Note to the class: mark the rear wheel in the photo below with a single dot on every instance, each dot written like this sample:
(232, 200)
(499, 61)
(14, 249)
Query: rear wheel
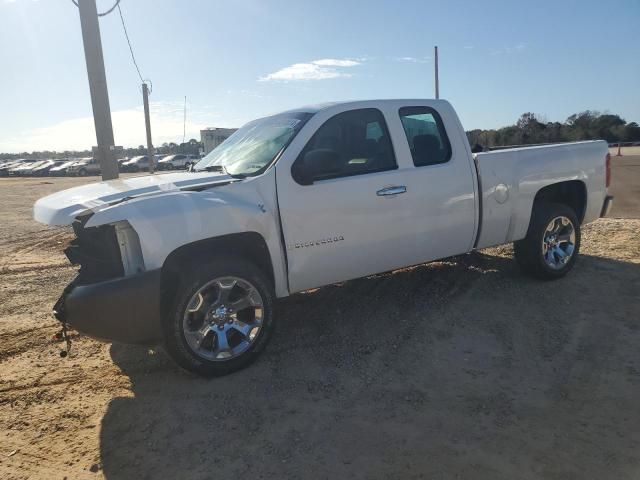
(221, 318)
(552, 243)
(83, 172)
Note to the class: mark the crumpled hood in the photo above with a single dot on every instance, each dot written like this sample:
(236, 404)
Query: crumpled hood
(61, 208)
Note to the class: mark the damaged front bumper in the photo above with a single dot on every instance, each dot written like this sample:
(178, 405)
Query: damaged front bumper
(125, 309)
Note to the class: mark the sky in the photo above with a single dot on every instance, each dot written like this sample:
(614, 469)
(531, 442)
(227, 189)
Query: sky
(237, 60)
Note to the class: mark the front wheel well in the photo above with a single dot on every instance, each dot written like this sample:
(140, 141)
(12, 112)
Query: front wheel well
(572, 193)
(249, 245)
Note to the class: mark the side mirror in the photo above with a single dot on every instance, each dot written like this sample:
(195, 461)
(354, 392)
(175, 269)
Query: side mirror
(315, 164)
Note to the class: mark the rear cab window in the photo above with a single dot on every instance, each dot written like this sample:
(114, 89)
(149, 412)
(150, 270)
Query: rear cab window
(426, 136)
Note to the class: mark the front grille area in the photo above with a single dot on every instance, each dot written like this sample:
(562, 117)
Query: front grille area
(96, 251)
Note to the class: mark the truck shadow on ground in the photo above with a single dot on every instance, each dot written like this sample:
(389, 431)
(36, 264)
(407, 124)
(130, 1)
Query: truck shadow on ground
(463, 367)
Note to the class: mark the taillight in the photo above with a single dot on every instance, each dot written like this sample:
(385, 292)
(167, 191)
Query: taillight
(608, 169)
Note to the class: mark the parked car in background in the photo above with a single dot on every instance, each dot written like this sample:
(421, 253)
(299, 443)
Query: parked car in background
(136, 164)
(178, 161)
(26, 167)
(43, 168)
(61, 169)
(57, 164)
(84, 167)
(9, 165)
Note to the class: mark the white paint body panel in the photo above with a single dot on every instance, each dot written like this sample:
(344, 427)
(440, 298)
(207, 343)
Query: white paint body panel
(62, 208)
(346, 230)
(524, 172)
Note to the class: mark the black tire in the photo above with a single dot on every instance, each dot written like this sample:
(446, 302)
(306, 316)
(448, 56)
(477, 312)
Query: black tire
(529, 252)
(191, 281)
(82, 172)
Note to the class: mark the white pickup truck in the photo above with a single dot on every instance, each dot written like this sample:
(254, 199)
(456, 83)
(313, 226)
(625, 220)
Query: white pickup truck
(307, 198)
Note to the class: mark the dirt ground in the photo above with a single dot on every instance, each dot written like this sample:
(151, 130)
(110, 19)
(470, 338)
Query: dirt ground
(625, 186)
(457, 369)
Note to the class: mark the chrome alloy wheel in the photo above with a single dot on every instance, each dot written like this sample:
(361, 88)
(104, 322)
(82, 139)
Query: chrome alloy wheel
(559, 242)
(223, 318)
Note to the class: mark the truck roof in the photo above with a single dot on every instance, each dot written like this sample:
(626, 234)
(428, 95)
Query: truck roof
(314, 108)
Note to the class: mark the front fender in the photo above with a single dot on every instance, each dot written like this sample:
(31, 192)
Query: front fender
(166, 222)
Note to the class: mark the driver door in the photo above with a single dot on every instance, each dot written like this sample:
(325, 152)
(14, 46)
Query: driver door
(352, 221)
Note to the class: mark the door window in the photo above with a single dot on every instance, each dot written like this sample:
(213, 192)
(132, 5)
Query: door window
(350, 143)
(426, 136)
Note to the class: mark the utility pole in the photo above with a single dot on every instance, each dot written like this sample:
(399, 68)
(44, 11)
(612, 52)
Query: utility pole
(98, 88)
(147, 122)
(436, 70)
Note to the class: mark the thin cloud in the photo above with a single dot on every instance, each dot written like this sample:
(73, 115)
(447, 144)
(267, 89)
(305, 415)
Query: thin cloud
(413, 59)
(468, 47)
(334, 62)
(509, 50)
(322, 69)
(128, 129)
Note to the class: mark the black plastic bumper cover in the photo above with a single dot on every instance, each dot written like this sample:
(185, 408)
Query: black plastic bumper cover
(124, 309)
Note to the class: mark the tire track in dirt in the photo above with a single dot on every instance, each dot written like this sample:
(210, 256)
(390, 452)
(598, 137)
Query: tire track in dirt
(37, 383)
(24, 268)
(51, 239)
(35, 462)
(15, 343)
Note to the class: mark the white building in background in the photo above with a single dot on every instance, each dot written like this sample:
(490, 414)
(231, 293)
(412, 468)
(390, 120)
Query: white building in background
(212, 137)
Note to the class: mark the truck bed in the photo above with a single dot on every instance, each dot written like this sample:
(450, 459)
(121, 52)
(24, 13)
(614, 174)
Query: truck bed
(510, 178)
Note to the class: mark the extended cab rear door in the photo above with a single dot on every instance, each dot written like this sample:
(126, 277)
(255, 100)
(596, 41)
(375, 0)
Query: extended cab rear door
(441, 177)
(371, 210)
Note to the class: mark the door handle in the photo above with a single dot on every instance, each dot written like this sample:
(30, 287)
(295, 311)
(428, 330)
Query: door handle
(397, 190)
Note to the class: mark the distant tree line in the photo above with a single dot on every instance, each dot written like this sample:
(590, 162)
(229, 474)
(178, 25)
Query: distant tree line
(587, 125)
(192, 147)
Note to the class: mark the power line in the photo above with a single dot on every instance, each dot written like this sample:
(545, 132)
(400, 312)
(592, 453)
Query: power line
(126, 34)
(104, 13)
(133, 57)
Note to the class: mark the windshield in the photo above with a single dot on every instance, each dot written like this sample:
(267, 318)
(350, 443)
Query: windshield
(253, 147)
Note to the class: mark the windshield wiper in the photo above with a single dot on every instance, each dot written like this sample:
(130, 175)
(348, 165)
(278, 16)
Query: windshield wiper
(220, 168)
(211, 168)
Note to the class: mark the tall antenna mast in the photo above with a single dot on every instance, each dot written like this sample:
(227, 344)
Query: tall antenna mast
(436, 71)
(184, 121)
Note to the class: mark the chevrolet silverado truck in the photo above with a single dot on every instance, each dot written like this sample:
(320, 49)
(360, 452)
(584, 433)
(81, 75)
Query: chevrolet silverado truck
(306, 198)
